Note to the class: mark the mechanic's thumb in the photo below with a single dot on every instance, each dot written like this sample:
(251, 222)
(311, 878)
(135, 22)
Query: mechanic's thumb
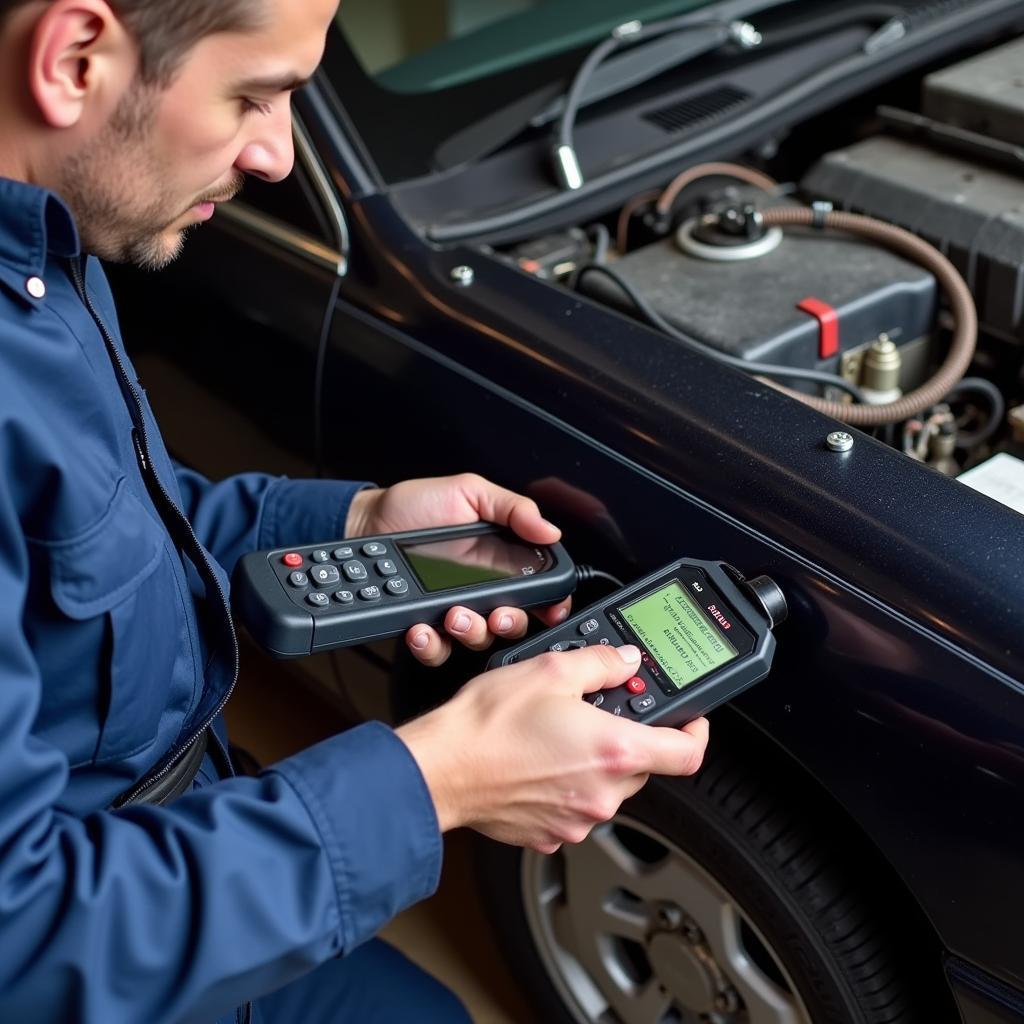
(605, 666)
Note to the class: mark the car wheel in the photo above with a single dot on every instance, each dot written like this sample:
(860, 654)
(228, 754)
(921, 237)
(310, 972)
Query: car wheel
(729, 899)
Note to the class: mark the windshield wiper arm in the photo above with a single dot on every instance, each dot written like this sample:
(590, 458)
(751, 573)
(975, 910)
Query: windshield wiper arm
(701, 35)
(640, 64)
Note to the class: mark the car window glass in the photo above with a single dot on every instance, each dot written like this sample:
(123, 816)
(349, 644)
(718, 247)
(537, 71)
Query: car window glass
(293, 201)
(416, 46)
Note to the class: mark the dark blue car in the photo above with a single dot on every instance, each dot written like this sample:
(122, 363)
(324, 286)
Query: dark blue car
(543, 241)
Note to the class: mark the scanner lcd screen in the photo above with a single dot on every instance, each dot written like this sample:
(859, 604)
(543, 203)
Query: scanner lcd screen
(466, 561)
(678, 634)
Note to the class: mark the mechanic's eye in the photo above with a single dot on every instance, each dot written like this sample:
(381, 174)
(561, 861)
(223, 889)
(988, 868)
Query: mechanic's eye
(255, 107)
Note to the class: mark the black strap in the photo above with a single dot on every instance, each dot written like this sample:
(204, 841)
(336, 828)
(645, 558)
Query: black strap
(178, 778)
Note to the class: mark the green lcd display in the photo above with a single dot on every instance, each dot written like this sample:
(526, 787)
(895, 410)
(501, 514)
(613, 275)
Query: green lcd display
(678, 634)
(479, 558)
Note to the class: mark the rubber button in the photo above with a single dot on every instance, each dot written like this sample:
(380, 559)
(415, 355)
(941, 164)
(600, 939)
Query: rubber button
(641, 705)
(293, 560)
(636, 685)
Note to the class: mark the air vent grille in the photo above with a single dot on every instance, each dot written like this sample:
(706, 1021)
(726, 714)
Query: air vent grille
(698, 109)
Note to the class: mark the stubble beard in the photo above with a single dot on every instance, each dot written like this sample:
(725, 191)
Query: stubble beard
(108, 185)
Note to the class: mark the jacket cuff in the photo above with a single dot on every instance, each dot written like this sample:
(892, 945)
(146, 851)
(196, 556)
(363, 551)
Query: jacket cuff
(301, 512)
(373, 811)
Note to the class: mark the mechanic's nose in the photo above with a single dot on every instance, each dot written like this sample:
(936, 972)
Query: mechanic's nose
(270, 155)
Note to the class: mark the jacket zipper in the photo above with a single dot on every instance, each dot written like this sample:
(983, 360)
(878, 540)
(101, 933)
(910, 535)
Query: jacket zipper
(140, 439)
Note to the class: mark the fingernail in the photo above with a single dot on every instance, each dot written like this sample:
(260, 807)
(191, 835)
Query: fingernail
(629, 654)
(460, 623)
(563, 614)
(504, 623)
(547, 522)
(420, 641)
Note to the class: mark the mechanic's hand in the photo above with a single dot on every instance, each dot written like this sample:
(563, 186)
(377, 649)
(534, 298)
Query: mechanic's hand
(456, 501)
(518, 756)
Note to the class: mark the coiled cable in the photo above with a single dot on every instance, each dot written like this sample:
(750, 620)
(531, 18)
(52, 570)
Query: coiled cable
(965, 318)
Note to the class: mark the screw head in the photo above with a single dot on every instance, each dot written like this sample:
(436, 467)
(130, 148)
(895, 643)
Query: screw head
(463, 275)
(839, 441)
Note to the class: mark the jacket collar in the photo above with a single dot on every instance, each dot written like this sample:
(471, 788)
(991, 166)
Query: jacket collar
(34, 224)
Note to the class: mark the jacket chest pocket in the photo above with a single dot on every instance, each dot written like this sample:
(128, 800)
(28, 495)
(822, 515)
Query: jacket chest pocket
(117, 587)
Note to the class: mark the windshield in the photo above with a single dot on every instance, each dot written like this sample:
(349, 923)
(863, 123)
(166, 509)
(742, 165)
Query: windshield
(418, 46)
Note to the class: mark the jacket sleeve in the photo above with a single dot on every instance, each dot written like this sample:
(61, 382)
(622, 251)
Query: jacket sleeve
(179, 913)
(252, 511)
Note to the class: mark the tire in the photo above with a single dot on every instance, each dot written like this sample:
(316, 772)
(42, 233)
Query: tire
(735, 897)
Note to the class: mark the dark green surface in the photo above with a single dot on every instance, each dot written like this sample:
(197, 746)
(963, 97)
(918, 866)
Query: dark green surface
(550, 28)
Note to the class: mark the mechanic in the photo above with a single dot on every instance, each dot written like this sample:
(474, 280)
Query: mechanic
(198, 895)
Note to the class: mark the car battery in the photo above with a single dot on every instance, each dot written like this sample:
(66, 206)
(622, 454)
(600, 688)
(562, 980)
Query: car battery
(808, 301)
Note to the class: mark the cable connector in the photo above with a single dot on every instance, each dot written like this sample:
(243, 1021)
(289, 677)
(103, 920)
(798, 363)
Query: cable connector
(821, 208)
(567, 168)
(744, 35)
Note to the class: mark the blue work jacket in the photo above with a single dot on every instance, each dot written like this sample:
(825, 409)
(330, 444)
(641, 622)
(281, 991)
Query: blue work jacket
(153, 913)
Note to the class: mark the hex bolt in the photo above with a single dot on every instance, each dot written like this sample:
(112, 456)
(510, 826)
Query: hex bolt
(669, 917)
(463, 275)
(839, 441)
(727, 1001)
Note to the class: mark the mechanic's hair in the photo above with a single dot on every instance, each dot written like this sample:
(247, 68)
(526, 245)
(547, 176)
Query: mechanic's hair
(165, 30)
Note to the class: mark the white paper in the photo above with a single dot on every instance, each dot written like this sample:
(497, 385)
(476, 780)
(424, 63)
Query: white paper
(1001, 477)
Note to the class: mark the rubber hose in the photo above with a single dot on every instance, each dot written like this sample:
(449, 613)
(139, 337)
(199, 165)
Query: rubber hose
(725, 170)
(965, 331)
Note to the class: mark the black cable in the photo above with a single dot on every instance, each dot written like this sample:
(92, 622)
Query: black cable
(586, 573)
(997, 410)
(766, 369)
(318, 379)
(564, 134)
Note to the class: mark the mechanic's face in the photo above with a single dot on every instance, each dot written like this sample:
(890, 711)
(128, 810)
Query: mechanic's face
(167, 156)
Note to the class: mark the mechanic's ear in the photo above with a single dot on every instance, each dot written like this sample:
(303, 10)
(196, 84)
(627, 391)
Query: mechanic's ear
(80, 55)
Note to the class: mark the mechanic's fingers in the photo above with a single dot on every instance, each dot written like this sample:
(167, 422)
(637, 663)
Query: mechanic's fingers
(556, 613)
(468, 628)
(699, 729)
(663, 751)
(499, 505)
(586, 670)
(546, 848)
(634, 785)
(428, 646)
(509, 623)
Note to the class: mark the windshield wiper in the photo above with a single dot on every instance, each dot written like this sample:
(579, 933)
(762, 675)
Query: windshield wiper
(670, 43)
(697, 36)
(640, 64)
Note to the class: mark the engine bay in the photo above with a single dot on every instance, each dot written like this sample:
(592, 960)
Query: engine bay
(885, 285)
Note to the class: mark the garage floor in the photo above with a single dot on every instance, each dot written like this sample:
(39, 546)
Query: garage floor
(272, 716)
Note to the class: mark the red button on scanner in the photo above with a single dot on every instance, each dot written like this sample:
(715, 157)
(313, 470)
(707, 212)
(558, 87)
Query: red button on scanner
(292, 560)
(636, 685)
